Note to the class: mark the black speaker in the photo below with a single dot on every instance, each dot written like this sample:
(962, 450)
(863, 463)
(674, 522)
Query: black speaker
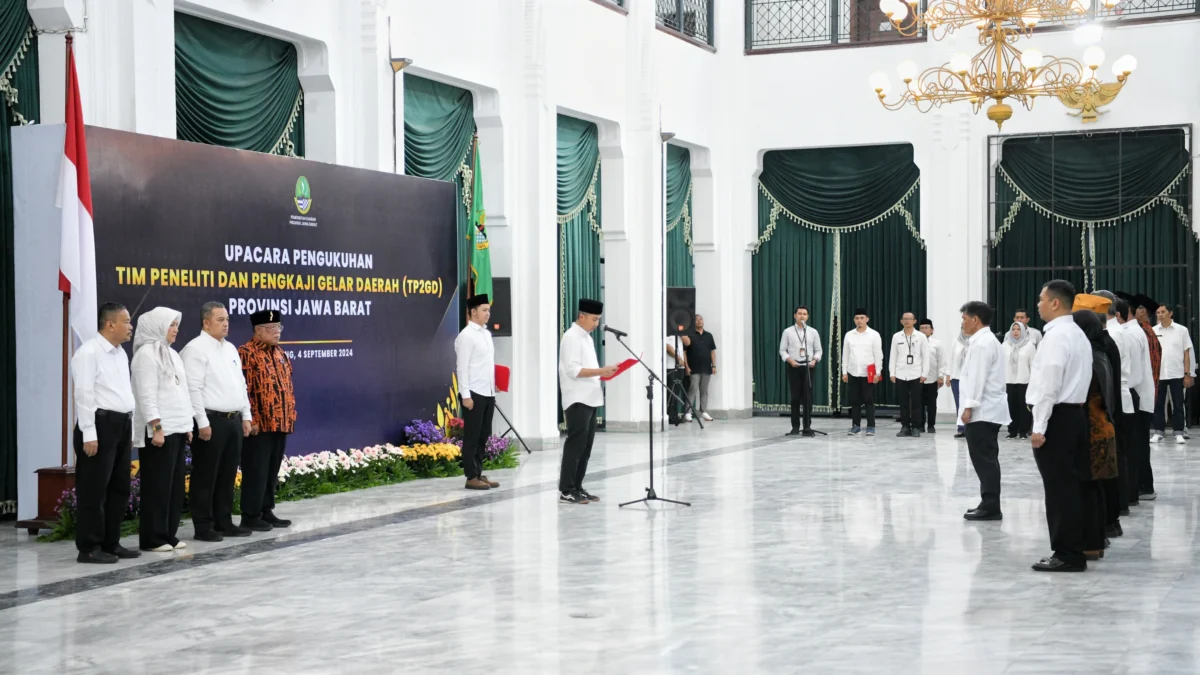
(501, 321)
(681, 309)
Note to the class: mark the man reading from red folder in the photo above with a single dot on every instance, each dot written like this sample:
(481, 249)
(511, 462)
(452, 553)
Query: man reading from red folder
(579, 374)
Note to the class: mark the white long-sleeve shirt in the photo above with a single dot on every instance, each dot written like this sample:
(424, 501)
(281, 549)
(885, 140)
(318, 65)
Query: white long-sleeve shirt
(1175, 341)
(576, 352)
(904, 346)
(1018, 372)
(1122, 339)
(1061, 371)
(160, 396)
(981, 382)
(214, 377)
(1035, 335)
(1141, 369)
(801, 345)
(937, 362)
(475, 361)
(100, 371)
(860, 350)
(956, 357)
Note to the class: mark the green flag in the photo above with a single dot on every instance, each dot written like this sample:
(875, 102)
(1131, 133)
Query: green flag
(481, 255)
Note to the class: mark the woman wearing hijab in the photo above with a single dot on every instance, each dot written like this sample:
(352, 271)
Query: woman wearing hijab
(1019, 351)
(1102, 401)
(162, 424)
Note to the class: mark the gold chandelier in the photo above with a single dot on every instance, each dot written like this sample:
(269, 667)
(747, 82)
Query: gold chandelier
(1000, 71)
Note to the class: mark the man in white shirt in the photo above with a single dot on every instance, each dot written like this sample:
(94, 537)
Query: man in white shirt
(1174, 375)
(1141, 388)
(1116, 493)
(800, 349)
(475, 366)
(862, 351)
(103, 437)
(221, 408)
(1058, 388)
(906, 365)
(983, 404)
(579, 374)
(936, 367)
(1035, 335)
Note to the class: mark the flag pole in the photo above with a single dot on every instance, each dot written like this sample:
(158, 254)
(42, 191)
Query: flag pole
(66, 300)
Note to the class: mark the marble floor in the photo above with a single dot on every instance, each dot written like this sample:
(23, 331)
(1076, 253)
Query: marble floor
(828, 555)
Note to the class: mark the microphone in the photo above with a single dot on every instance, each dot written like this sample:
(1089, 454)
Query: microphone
(614, 331)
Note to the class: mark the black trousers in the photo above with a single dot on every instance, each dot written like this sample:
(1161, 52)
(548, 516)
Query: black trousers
(1145, 472)
(261, 456)
(577, 450)
(929, 397)
(908, 397)
(162, 472)
(477, 426)
(102, 482)
(214, 471)
(1018, 410)
(1126, 451)
(799, 379)
(1175, 389)
(985, 457)
(1091, 494)
(1059, 460)
(1112, 498)
(862, 395)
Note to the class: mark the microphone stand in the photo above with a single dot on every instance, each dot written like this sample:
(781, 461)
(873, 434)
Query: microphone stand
(651, 495)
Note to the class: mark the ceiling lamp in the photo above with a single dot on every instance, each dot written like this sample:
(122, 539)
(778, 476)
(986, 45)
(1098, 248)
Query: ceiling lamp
(1019, 16)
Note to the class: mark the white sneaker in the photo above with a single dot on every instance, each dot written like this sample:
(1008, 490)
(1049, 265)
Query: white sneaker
(1180, 440)
(1156, 438)
(704, 416)
(181, 544)
(687, 417)
(165, 548)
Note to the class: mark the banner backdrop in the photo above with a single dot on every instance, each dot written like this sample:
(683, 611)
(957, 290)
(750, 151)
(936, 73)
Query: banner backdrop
(360, 264)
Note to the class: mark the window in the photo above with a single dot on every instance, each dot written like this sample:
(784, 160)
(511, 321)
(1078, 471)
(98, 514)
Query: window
(812, 23)
(693, 19)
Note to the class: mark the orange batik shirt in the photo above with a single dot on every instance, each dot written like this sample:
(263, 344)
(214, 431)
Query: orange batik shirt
(269, 383)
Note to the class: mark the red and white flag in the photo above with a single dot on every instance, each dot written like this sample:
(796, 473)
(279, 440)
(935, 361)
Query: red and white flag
(77, 257)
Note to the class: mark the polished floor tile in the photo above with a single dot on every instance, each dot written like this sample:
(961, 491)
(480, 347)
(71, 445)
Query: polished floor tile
(828, 555)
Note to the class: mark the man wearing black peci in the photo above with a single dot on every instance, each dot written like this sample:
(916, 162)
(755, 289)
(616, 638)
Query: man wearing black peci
(800, 349)
(475, 366)
(1058, 387)
(103, 437)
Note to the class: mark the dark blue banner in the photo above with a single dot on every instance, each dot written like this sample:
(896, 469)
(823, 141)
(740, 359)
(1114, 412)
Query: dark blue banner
(361, 264)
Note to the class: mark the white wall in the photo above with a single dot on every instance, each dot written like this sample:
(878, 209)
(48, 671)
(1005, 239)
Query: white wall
(528, 60)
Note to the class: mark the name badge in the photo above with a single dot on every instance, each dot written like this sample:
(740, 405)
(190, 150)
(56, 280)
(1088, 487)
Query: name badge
(910, 359)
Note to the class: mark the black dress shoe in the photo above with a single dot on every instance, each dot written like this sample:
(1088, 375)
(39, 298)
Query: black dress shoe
(980, 514)
(808, 433)
(276, 521)
(208, 535)
(1011, 436)
(904, 432)
(1147, 495)
(124, 553)
(1114, 530)
(915, 433)
(793, 432)
(232, 530)
(96, 557)
(1124, 512)
(930, 429)
(256, 524)
(1055, 565)
(960, 435)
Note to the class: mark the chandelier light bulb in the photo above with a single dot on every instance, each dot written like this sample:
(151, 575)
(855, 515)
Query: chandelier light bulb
(960, 62)
(1088, 34)
(899, 10)
(1093, 56)
(1033, 16)
(1125, 64)
(1031, 58)
(879, 82)
(982, 23)
(908, 70)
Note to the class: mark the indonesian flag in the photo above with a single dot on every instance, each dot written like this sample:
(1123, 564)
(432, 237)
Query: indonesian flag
(77, 257)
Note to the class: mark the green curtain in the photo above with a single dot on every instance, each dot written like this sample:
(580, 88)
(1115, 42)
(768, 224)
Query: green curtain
(19, 86)
(839, 228)
(439, 129)
(237, 89)
(680, 266)
(1088, 201)
(579, 222)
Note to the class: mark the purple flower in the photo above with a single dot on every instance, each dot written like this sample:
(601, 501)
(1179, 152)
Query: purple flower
(423, 433)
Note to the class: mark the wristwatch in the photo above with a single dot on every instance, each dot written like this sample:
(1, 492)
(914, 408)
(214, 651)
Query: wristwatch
(154, 428)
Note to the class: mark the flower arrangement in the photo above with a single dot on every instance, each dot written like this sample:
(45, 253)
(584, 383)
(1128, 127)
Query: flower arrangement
(457, 425)
(428, 455)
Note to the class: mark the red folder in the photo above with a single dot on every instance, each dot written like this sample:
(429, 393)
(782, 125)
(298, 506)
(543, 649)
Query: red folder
(625, 365)
(870, 373)
(502, 375)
